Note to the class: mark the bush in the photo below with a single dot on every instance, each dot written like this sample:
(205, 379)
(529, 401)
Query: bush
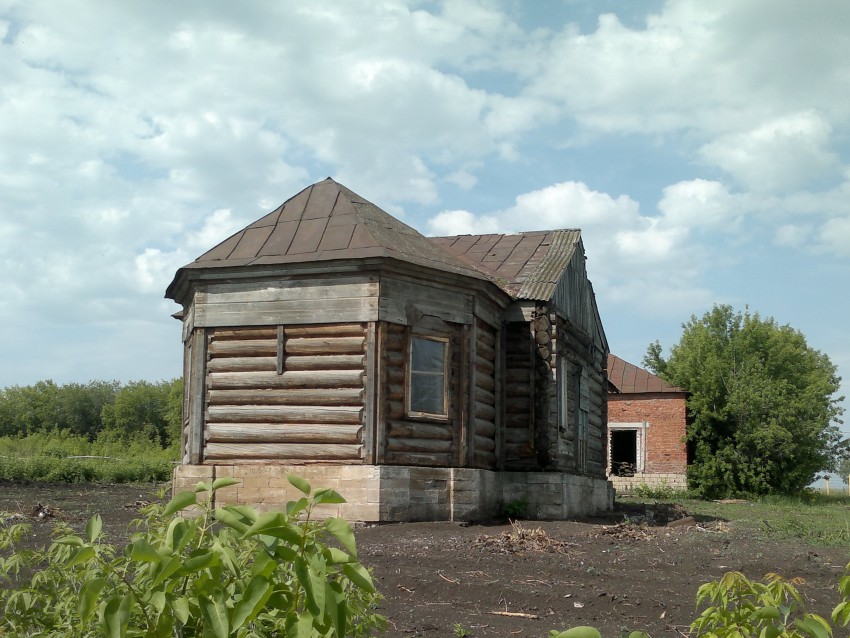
(227, 571)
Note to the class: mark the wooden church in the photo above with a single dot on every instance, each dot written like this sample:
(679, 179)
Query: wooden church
(423, 378)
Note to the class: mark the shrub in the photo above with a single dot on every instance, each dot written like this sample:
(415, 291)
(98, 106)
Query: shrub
(227, 571)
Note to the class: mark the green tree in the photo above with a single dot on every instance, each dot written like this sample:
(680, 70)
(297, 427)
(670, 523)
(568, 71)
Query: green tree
(144, 407)
(763, 412)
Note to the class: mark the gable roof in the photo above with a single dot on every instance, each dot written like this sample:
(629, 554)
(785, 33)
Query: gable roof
(325, 221)
(627, 378)
(526, 265)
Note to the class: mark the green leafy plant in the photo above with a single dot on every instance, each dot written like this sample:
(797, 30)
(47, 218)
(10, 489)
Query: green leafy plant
(194, 570)
(660, 492)
(460, 631)
(515, 509)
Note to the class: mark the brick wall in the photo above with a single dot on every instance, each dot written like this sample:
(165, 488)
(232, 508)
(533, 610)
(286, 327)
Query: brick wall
(666, 414)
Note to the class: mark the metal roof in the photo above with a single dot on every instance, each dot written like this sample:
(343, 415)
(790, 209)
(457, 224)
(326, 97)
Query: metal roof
(526, 265)
(325, 221)
(627, 378)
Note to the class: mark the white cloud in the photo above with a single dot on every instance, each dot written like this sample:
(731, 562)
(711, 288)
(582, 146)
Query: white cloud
(698, 203)
(462, 222)
(834, 235)
(781, 155)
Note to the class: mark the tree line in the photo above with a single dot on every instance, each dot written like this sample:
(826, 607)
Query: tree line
(137, 409)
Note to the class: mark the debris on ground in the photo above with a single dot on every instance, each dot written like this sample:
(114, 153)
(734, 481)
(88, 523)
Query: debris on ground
(42, 512)
(522, 539)
(626, 530)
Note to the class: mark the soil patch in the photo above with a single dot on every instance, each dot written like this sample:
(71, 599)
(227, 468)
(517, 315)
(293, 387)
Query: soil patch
(635, 569)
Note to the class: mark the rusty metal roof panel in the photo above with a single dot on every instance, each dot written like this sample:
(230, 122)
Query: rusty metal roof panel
(628, 378)
(526, 265)
(326, 221)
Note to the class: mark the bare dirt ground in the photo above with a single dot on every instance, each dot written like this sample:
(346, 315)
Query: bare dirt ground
(523, 580)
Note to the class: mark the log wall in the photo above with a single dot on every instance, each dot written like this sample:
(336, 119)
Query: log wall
(485, 439)
(518, 392)
(293, 393)
(416, 441)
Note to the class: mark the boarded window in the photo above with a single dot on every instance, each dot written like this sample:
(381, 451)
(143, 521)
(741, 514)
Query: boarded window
(427, 376)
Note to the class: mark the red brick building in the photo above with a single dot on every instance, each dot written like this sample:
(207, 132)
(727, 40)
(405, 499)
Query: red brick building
(646, 428)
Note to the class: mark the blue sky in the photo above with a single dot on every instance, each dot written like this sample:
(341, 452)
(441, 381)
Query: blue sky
(702, 148)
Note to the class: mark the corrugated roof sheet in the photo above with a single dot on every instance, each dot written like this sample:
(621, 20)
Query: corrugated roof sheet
(627, 378)
(526, 265)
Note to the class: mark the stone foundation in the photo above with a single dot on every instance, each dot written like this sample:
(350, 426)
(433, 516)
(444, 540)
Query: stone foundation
(626, 484)
(396, 493)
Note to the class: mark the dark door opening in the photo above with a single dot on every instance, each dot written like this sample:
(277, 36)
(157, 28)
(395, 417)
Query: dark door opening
(623, 452)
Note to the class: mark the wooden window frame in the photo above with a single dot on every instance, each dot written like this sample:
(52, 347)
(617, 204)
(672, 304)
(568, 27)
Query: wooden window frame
(408, 386)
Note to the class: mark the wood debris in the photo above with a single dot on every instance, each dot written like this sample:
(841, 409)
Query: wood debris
(522, 539)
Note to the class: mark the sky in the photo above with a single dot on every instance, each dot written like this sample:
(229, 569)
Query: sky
(702, 147)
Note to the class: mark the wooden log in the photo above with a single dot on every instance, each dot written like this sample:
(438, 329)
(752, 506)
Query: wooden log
(485, 428)
(283, 414)
(242, 364)
(395, 392)
(395, 409)
(517, 421)
(517, 435)
(220, 334)
(417, 430)
(485, 460)
(484, 334)
(485, 382)
(394, 358)
(294, 379)
(326, 330)
(325, 345)
(283, 451)
(517, 375)
(484, 367)
(398, 444)
(280, 433)
(325, 362)
(484, 411)
(304, 396)
(517, 405)
(484, 444)
(519, 389)
(420, 459)
(483, 396)
(486, 351)
(395, 375)
(243, 348)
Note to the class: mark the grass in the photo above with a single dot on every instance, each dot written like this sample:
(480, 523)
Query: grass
(811, 517)
(60, 458)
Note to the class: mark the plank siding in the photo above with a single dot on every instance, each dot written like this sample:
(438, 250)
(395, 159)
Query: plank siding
(295, 394)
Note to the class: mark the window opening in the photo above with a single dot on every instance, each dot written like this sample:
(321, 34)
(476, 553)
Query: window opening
(427, 376)
(624, 455)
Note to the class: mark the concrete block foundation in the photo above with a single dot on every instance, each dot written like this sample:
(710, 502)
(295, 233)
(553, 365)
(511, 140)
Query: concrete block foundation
(398, 493)
(628, 484)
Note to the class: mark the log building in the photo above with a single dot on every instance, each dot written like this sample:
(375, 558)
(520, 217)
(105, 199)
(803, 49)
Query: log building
(423, 378)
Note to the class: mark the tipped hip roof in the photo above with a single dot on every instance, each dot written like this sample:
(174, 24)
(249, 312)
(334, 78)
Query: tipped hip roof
(627, 378)
(326, 221)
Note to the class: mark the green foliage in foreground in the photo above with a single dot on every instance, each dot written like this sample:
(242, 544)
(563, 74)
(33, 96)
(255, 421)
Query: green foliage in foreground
(737, 607)
(59, 457)
(763, 404)
(227, 571)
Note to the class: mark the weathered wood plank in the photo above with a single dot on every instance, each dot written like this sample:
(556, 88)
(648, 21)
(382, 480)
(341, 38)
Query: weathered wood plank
(325, 345)
(486, 351)
(243, 348)
(484, 367)
(283, 414)
(517, 405)
(284, 451)
(221, 334)
(486, 335)
(398, 444)
(242, 364)
(302, 396)
(325, 362)
(294, 290)
(517, 375)
(517, 421)
(485, 382)
(395, 409)
(419, 458)
(287, 312)
(417, 430)
(280, 433)
(196, 401)
(289, 379)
